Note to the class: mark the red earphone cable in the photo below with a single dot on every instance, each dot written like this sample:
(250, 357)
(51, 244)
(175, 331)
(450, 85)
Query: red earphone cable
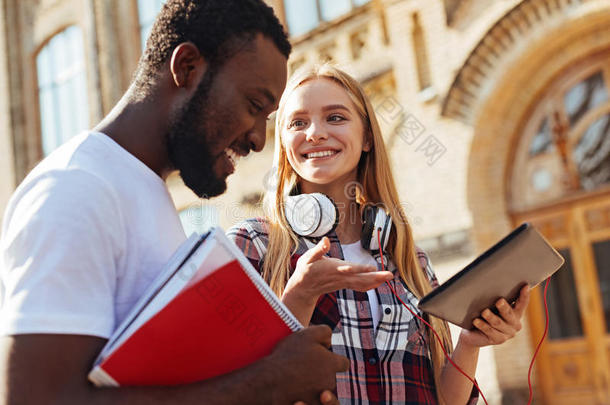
(427, 324)
(546, 328)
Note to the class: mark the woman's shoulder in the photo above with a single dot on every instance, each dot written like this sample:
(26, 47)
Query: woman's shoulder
(426, 266)
(258, 226)
(251, 236)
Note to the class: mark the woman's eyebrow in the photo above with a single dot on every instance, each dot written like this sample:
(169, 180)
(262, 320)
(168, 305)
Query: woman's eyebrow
(335, 107)
(325, 108)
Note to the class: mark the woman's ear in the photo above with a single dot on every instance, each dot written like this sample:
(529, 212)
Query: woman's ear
(368, 142)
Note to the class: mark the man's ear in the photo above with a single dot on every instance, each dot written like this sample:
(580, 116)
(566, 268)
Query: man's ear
(187, 65)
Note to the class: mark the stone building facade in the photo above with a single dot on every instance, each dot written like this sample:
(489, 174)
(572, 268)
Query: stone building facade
(494, 112)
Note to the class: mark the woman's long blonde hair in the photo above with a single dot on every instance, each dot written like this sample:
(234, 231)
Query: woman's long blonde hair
(376, 186)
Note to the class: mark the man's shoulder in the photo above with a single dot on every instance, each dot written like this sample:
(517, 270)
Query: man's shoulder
(60, 196)
(84, 173)
(69, 163)
(61, 181)
(75, 185)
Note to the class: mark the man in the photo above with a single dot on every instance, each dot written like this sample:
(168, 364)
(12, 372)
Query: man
(91, 226)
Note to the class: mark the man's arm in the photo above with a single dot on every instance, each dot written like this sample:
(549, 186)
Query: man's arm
(52, 369)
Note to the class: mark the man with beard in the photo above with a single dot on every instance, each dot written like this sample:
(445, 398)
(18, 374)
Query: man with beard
(92, 225)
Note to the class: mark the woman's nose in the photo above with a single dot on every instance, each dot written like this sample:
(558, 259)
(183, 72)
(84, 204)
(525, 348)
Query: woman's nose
(315, 133)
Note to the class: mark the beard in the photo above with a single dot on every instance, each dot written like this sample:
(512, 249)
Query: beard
(188, 143)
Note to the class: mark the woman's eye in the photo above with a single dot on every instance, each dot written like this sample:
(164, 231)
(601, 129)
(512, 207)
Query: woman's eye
(296, 123)
(336, 118)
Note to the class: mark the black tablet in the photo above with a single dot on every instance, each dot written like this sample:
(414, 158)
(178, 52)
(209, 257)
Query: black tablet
(522, 257)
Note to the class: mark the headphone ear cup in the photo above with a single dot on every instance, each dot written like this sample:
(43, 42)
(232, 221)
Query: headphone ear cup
(376, 223)
(383, 222)
(330, 215)
(368, 226)
(310, 215)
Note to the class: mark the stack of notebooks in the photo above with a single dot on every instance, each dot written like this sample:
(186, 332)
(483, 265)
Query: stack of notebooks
(208, 313)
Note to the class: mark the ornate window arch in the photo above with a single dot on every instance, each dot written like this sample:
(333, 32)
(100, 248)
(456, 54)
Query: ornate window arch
(564, 149)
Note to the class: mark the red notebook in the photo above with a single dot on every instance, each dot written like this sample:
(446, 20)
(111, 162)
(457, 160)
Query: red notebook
(209, 313)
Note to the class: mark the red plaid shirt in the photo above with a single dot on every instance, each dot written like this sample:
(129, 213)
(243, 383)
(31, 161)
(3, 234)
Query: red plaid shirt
(389, 366)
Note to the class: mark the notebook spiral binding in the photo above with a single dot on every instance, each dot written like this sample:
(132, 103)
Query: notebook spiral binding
(277, 306)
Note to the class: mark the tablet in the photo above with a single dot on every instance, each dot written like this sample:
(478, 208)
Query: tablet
(524, 256)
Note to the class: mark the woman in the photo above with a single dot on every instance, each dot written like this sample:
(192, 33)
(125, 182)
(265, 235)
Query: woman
(328, 141)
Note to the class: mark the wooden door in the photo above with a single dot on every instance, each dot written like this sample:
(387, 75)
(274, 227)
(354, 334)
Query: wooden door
(574, 362)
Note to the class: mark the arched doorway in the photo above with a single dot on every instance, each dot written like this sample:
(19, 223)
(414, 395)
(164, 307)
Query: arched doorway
(546, 60)
(560, 182)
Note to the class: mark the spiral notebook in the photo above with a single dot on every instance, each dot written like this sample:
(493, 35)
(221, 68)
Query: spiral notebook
(208, 313)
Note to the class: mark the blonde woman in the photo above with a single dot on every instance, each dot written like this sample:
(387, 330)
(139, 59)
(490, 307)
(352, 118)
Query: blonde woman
(328, 141)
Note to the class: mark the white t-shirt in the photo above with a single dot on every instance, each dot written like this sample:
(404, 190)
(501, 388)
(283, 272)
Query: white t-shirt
(355, 253)
(83, 236)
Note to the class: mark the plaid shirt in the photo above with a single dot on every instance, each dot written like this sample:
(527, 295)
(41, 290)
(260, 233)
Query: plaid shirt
(390, 366)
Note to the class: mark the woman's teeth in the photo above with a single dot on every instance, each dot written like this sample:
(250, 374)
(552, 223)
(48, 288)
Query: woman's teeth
(320, 154)
(233, 157)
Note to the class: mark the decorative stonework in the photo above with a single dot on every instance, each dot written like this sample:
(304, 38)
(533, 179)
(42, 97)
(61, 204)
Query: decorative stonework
(506, 100)
(597, 219)
(492, 51)
(451, 7)
(356, 40)
(327, 51)
(552, 228)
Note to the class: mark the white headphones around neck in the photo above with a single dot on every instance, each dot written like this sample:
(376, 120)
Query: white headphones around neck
(315, 215)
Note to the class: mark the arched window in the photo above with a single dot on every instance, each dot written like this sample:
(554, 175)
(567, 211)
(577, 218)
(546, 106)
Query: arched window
(62, 88)
(304, 15)
(147, 12)
(565, 147)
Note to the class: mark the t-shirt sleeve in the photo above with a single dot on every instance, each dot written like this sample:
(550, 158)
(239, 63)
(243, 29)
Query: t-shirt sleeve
(62, 239)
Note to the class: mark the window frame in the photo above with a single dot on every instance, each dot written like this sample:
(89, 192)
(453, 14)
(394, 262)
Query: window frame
(32, 158)
(321, 20)
(142, 40)
(521, 195)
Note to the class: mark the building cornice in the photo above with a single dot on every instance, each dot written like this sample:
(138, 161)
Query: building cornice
(493, 50)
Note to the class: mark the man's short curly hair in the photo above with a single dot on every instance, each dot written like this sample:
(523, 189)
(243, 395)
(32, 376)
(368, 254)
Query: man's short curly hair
(213, 26)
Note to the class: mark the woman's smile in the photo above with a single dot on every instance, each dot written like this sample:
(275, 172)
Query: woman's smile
(323, 154)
